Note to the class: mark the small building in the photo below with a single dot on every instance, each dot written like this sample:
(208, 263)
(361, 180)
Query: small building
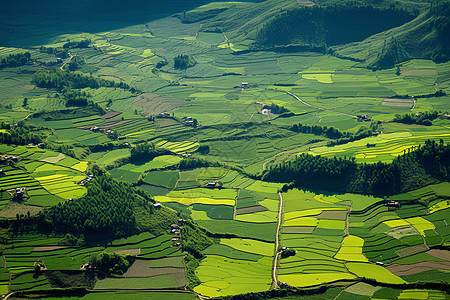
(176, 245)
(174, 239)
(94, 129)
(174, 226)
(157, 205)
(211, 184)
(59, 60)
(379, 263)
(283, 248)
(244, 85)
(2, 173)
(180, 221)
(41, 145)
(370, 145)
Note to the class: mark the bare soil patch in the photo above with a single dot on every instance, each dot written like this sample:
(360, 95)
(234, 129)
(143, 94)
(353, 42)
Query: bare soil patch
(403, 270)
(441, 254)
(48, 248)
(136, 251)
(249, 210)
(333, 215)
(408, 251)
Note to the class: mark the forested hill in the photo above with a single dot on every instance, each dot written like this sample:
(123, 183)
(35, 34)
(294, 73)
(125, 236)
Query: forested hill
(427, 37)
(110, 209)
(330, 25)
(380, 33)
(427, 164)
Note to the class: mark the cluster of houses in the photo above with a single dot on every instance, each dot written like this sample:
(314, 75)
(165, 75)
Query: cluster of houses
(363, 118)
(5, 158)
(175, 230)
(188, 121)
(87, 179)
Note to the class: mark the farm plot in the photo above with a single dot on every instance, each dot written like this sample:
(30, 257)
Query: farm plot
(313, 225)
(63, 184)
(387, 146)
(178, 147)
(200, 196)
(250, 272)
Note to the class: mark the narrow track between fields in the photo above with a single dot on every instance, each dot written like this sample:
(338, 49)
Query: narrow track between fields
(277, 242)
(316, 107)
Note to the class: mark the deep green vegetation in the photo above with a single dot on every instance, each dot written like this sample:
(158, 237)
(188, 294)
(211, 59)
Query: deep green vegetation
(20, 134)
(424, 118)
(111, 263)
(182, 62)
(410, 171)
(15, 60)
(61, 80)
(330, 25)
(108, 210)
(145, 152)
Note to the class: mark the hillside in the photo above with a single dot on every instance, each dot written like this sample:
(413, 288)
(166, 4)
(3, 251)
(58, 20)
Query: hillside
(427, 37)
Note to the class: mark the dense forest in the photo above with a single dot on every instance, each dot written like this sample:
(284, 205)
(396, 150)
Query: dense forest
(330, 25)
(414, 169)
(15, 60)
(108, 209)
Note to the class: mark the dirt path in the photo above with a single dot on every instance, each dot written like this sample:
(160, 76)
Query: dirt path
(316, 107)
(70, 58)
(235, 204)
(277, 242)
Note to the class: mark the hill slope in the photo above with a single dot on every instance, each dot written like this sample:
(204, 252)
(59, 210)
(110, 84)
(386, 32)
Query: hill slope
(427, 36)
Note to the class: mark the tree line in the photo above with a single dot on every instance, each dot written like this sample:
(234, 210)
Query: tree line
(338, 137)
(60, 80)
(15, 60)
(330, 25)
(414, 169)
(421, 118)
